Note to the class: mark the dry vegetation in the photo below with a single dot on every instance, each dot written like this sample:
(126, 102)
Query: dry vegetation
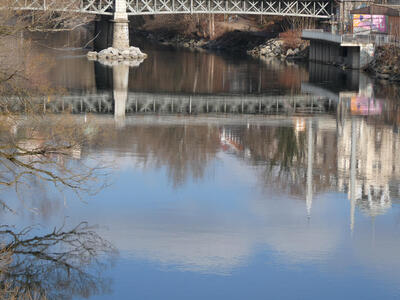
(291, 31)
(207, 26)
(214, 26)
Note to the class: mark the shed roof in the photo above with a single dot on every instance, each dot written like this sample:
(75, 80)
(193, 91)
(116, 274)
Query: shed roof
(374, 9)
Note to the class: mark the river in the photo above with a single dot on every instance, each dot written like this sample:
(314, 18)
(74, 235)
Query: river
(228, 177)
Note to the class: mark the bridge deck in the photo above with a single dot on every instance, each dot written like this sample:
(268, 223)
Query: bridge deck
(296, 8)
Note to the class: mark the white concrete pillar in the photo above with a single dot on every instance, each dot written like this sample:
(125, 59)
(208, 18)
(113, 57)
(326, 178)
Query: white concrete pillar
(121, 28)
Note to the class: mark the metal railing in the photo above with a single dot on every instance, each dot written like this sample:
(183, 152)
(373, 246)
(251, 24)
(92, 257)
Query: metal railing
(358, 39)
(352, 38)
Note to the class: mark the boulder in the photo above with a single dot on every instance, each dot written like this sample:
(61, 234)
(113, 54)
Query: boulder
(290, 52)
(134, 49)
(92, 55)
(277, 51)
(382, 76)
(265, 50)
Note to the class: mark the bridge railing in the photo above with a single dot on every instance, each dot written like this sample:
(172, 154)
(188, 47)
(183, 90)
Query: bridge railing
(376, 39)
(296, 8)
(300, 8)
(104, 7)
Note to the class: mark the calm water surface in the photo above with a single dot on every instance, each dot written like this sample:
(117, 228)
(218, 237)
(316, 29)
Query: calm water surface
(253, 200)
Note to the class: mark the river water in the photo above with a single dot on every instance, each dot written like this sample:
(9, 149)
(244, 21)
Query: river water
(230, 177)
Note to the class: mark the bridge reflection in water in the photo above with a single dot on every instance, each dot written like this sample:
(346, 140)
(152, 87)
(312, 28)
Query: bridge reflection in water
(121, 101)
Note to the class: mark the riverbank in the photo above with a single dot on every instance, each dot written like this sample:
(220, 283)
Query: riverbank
(255, 44)
(234, 41)
(238, 34)
(386, 63)
(278, 48)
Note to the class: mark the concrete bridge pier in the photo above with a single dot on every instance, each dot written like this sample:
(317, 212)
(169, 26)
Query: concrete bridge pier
(121, 28)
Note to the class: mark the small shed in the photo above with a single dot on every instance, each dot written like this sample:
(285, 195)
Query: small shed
(379, 14)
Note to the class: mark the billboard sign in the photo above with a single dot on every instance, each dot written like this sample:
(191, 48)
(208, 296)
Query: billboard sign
(365, 24)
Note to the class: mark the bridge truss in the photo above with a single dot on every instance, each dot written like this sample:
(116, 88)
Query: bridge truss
(295, 8)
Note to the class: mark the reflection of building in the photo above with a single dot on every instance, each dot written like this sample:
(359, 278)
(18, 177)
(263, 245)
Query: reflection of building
(310, 157)
(365, 106)
(376, 155)
(230, 142)
(299, 157)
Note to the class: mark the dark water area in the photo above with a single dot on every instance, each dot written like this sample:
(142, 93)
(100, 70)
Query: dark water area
(227, 178)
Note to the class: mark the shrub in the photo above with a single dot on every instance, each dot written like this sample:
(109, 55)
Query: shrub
(291, 39)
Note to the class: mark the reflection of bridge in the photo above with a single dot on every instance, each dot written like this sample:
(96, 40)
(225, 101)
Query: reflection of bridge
(120, 101)
(186, 104)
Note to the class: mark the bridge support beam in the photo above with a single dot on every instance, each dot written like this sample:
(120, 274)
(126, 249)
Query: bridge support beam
(121, 28)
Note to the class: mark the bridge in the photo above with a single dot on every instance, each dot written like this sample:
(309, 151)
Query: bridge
(121, 9)
(296, 8)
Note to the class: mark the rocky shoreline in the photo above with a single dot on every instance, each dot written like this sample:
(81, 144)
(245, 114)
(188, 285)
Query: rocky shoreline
(236, 41)
(277, 48)
(386, 63)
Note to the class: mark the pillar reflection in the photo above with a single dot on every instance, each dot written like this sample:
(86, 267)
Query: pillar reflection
(120, 91)
(309, 195)
(352, 174)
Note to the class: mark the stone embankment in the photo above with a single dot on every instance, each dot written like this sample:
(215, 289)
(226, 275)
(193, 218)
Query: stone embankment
(386, 63)
(111, 56)
(278, 49)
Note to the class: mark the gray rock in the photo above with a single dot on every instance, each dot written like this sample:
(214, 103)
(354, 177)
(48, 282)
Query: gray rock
(382, 76)
(277, 51)
(92, 55)
(290, 52)
(265, 50)
(134, 49)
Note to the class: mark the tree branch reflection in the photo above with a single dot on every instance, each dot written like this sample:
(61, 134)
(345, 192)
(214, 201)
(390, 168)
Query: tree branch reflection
(57, 265)
(45, 153)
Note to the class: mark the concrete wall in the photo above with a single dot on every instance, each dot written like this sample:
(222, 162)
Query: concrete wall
(352, 59)
(367, 53)
(355, 57)
(323, 52)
